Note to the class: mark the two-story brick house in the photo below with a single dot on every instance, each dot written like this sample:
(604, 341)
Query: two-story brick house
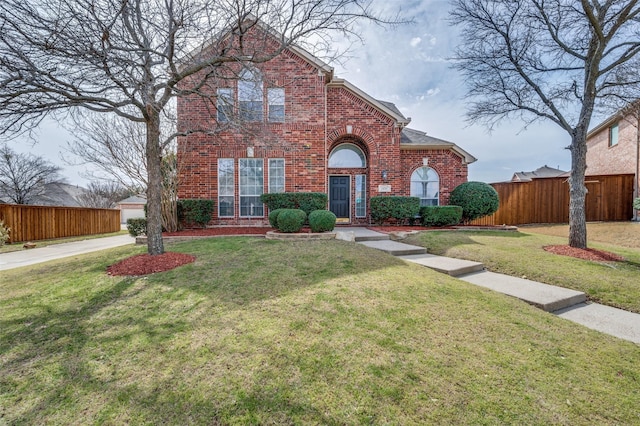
(290, 125)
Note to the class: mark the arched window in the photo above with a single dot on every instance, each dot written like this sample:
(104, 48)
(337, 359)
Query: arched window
(347, 156)
(250, 96)
(425, 184)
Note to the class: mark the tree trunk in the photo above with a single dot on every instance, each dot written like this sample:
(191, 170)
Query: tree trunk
(155, 245)
(578, 191)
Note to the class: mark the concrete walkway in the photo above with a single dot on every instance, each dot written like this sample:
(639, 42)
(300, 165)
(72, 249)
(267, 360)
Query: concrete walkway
(16, 259)
(563, 302)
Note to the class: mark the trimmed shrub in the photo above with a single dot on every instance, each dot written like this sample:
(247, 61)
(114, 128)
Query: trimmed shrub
(322, 221)
(394, 207)
(291, 220)
(636, 204)
(440, 215)
(137, 226)
(273, 217)
(196, 211)
(477, 199)
(4, 233)
(305, 201)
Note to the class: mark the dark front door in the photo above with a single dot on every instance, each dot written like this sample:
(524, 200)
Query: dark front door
(339, 196)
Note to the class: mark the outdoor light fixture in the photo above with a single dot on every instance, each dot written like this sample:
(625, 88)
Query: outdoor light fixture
(384, 175)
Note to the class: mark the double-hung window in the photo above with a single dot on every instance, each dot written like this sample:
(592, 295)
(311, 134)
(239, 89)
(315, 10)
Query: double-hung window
(226, 184)
(275, 97)
(251, 175)
(250, 95)
(276, 175)
(224, 105)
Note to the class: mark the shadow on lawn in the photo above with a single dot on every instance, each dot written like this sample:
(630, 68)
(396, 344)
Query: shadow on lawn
(245, 270)
(438, 242)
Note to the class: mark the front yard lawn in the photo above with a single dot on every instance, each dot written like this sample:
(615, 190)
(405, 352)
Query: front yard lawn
(521, 254)
(271, 332)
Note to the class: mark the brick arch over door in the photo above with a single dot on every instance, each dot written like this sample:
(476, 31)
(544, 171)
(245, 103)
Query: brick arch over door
(352, 183)
(336, 136)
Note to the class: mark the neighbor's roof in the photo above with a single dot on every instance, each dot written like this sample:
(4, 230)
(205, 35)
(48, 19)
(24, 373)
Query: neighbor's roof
(416, 139)
(541, 172)
(134, 199)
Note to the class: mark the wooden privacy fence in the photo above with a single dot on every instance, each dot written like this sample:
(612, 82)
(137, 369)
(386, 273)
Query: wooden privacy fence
(546, 200)
(32, 223)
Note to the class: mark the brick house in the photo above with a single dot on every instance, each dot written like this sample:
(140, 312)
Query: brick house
(612, 148)
(291, 125)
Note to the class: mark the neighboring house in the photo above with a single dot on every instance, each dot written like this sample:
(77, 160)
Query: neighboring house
(290, 125)
(132, 207)
(59, 194)
(541, 172)
(612, 147)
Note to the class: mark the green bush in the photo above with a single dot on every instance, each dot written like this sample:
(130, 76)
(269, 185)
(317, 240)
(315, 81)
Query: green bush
(477, 199)
(305, 201)
(394, 207)
(636, 204)
(440, 215)
(4, 233)
(291, 220)
(197, 211)
(137, 226)
(322, 221)
(273, 217)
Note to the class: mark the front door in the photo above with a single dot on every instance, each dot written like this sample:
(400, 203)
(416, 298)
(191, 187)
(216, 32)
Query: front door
(339, 191)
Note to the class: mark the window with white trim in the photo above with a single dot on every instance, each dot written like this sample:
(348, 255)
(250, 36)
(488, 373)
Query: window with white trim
(425, 184)
(276, 175)
(226, 185)
(250, 96)
(613, 135)
(361, 196)
(275, 99)
(251, 176)
(224, 105)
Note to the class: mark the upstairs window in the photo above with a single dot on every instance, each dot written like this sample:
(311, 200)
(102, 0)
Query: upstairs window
(613, 135)
(250, 95)
(425, 184)
(224, 105)
(275, 97)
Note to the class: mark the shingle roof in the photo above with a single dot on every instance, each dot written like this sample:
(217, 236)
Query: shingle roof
(541, 172)
(416, 139)
(134, 199)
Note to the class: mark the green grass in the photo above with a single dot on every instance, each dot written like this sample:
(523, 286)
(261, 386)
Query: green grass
(269, 332)
(17, 246)
(521, 254)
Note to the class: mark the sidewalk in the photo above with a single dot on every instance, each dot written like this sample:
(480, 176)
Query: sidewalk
(563, 302)
(16, 259)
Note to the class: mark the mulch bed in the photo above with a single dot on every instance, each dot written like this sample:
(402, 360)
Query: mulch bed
(221, 230)
(586, 254)
(144, 264)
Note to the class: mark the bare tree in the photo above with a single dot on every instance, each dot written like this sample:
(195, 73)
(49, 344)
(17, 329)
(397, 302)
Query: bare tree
(132, 57)
(549, 60)
(116, 148)
(104, 194)
(23, 177)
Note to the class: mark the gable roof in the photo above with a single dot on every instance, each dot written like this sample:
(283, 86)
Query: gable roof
(386, 108)
(416, 139)
(134, 199)
(541, 172)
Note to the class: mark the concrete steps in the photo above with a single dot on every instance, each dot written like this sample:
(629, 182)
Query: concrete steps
(544, 296)
(393, 247)
(445, 265)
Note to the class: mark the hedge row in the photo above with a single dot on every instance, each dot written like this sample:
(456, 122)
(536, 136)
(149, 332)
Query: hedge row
(440, 215)
(305, 201)
(292, 220)
(394, 207)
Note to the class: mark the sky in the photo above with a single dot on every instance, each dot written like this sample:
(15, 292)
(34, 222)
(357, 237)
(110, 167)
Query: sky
(407, 65)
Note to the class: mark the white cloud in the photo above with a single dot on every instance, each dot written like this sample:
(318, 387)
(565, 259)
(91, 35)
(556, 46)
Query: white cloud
(415, 41)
